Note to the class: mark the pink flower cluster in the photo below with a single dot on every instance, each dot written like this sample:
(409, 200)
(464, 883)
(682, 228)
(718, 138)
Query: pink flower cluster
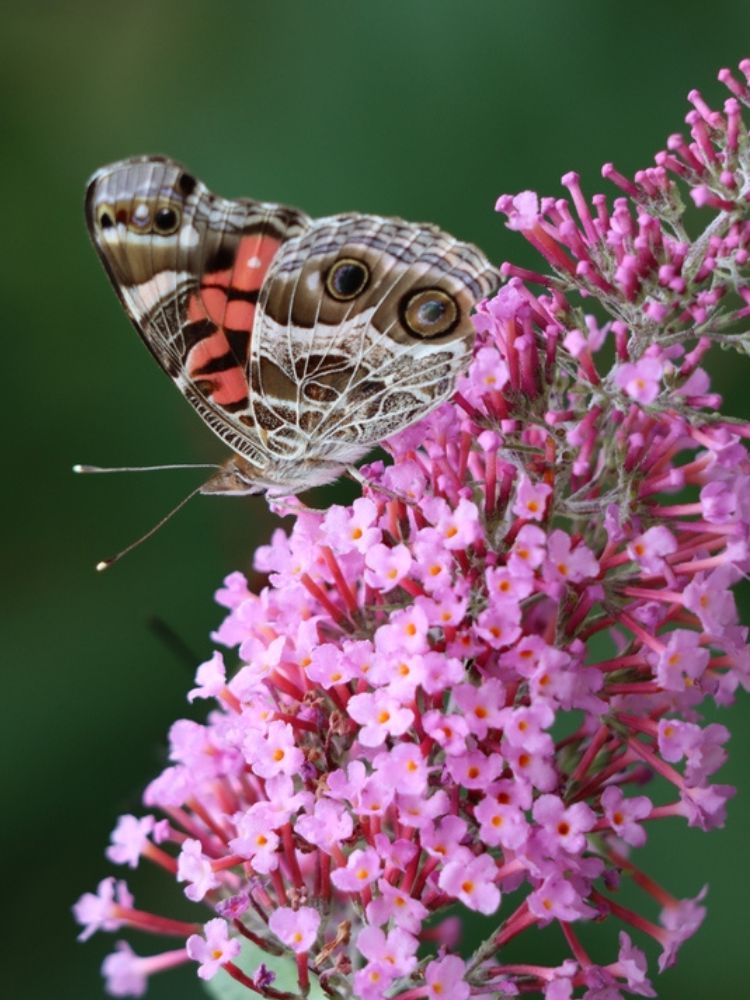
(455, 694)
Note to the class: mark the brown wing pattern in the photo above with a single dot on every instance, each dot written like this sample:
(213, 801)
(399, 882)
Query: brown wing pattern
(335, 367)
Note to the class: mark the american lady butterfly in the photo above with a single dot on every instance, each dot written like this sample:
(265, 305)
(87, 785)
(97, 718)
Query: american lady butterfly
(301, 342)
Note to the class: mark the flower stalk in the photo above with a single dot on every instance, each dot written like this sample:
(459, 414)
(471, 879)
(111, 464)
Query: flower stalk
(392, 742)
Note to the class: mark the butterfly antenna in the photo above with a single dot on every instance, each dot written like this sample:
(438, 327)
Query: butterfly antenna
(106, 563)
(140, 468)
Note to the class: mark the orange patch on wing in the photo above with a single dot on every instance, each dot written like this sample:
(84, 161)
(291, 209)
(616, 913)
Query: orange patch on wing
(223, 278)
(195, 310)
(239, 315)
(210, 303)
(229, 386)
(254, 256)
(214, 346)
(215, 303)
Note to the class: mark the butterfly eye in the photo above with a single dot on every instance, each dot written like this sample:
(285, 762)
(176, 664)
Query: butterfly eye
(347, 278)
(430, 313)
(166, 220)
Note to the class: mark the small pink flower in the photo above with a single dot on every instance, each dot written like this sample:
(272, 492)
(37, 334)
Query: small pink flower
(256, 839)
(130, 839)
(386, 567)
(448, 731)
(210, 678)
(500, 624)
(380, 715)
(718, 502)
(101, 911)
(274, 752)
(362, 868)
(403, 768)
(641, 380)
(329, 824)
(561, 988)
(457, 527)
(328, 666)
(535, 768)
(419, 811)
(505, 586)
(401, 675)
(531, 499)
(501, 824)
(433, 561)
(565, 826)
(676, 738)
(397, 949)
(633, 966)
(443, 839)
(371, 981)
(522, 209)
(488, 373)
(681, 920)
(650, 548)
(354, 529)
(297, 929)
(123, 972)
(567, 564)
(557, 899)
(682, 661)
(196, 869)
(472, 881)
(395, 904)
(711, 600)
(624, 813)
(474, 769)
(482, 707)
(444, 978)
(524, 727)
(405, 633)
(528, 550)
(213, 948)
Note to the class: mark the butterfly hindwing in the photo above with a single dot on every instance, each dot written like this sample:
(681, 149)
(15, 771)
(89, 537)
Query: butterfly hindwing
(340, 355)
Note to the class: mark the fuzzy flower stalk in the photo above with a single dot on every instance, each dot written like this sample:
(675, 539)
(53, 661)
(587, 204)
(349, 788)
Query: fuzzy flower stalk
(472, 692)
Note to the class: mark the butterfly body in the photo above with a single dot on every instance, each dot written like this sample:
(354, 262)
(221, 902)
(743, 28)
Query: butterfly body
(301, 343)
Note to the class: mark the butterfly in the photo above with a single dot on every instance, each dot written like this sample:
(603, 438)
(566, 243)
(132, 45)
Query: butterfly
(301, 342)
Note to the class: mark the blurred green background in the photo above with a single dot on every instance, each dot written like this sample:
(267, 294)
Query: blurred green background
(421, 108)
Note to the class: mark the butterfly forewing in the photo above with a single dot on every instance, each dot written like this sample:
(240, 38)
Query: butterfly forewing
(301, 343)
(191, 292)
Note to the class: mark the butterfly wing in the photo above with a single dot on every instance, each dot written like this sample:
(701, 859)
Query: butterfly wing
(362, 326)
(301, 344)
(188, 267)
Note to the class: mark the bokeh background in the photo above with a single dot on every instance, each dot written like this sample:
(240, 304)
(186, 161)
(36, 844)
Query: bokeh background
(421, 108)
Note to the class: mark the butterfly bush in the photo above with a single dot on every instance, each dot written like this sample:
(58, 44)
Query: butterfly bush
(473, 691)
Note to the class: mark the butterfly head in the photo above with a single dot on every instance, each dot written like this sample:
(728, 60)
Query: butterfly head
(139, 212)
